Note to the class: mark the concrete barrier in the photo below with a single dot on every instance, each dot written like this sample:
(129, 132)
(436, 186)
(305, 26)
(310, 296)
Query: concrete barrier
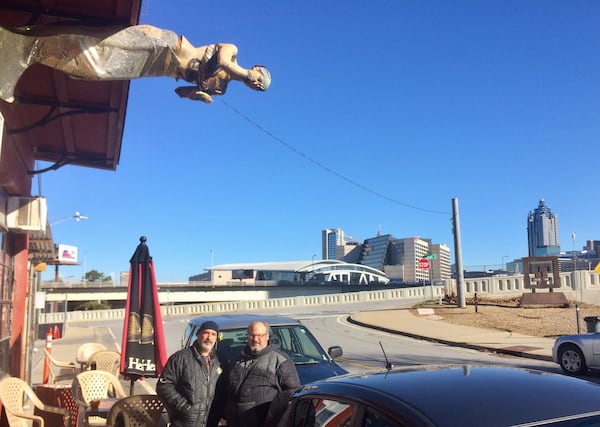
(255, 305)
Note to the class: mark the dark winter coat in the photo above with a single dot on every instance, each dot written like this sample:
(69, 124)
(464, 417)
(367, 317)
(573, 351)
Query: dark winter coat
(254, 380)
(192, 393)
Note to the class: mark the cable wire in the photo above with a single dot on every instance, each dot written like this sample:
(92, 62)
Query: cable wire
(325, 167)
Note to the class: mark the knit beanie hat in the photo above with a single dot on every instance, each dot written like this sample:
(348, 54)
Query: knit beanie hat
(209, 324)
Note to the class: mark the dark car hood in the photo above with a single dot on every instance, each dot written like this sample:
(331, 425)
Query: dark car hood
(316, 371)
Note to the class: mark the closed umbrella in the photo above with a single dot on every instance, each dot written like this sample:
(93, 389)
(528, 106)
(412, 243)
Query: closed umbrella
(144, 352)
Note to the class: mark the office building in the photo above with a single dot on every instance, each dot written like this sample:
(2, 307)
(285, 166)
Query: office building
(399, 258)
(407, 253)
(542, 232)
(333, 242)
(440, 265)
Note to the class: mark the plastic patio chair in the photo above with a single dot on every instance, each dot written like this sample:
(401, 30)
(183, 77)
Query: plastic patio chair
(15, 394)
(59, 370)
(105, 360)
(140, 410)
(86, 350)
(94, 385)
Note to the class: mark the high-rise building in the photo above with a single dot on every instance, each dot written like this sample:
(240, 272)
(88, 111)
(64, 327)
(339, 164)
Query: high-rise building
(440, 265)
(542, 232)
(331, 239)
(398, 258)
(413, 250)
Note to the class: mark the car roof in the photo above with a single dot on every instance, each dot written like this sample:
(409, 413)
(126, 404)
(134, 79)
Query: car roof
(236, 321)
(465, 394)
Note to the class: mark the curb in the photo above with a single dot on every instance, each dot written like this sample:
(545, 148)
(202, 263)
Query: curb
(452, 343)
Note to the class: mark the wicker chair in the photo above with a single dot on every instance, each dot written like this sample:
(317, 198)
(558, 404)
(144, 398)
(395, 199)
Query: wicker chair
(94, 385)
(105, 360)
(59, 370)
(86, 350)
(14, 394)
(140, 410)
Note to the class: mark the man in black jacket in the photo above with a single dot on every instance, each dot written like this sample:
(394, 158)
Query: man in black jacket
(189, 382)
(259, 375)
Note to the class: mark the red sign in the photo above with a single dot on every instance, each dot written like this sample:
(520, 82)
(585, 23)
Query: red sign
(424, 264)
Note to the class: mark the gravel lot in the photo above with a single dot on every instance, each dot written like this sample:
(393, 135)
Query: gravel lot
(506, 315)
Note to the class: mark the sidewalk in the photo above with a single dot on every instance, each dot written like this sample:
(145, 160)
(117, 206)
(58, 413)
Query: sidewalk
(429, 326)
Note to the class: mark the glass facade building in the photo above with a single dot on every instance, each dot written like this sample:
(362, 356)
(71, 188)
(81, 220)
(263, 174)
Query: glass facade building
(542, 232)
(331, 239)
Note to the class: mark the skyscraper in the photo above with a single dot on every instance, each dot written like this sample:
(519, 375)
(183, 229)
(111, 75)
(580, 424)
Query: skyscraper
(331, 239)
(542, 232)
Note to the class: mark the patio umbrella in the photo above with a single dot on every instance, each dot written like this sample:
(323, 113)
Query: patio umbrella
(144, 352)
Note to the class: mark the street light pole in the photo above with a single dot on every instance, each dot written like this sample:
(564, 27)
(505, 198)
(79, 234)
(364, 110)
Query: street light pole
(502, 267)
(575, 284)
(212, 261)
(76, 216)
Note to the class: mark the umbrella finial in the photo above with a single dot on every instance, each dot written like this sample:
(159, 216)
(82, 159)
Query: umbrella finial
(143, 239)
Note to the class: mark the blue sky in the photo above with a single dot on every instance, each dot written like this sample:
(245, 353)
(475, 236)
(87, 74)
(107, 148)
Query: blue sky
(379, 114)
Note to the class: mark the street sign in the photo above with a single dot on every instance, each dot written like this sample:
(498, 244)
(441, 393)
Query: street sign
(424, 264)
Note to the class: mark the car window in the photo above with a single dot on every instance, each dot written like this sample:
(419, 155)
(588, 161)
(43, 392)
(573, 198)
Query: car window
(375, 419)
(331, 413)
(231, 343)
(322, 413)
(298, 343)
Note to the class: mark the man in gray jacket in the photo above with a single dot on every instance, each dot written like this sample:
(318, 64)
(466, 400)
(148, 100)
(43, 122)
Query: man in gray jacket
(190, 384)
(259, 375)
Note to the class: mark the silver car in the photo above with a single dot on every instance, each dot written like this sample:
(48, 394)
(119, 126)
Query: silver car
(577, 353)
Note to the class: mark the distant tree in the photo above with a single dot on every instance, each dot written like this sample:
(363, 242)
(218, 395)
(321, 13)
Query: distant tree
(96, 276)
(92, 305)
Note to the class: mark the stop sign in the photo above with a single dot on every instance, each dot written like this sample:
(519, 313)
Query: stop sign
(424, 264)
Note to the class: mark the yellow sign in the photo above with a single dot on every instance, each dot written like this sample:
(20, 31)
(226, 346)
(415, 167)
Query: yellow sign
(40, 267)
(597, 269)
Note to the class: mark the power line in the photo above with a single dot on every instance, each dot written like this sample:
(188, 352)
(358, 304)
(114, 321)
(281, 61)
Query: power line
(325, 167)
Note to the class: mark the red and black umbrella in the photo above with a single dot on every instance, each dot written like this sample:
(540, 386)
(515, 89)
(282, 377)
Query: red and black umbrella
(144, 352)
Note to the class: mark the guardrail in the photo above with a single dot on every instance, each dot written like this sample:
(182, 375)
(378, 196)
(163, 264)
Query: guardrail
(432, 292)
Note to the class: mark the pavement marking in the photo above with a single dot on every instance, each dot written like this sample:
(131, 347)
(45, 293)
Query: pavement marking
(358, 364)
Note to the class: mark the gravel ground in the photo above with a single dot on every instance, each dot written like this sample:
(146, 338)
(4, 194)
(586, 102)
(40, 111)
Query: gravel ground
(506, 315)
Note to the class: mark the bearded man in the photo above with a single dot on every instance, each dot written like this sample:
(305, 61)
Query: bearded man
(189, 383)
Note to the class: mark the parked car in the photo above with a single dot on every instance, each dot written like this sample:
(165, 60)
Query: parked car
(287, 334)
(446, 396)
(575, 353)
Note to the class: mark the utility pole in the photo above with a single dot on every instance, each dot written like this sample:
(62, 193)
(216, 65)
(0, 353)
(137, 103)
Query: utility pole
(460, 277)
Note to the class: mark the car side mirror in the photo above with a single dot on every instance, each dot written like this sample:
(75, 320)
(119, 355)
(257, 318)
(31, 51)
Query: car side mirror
(335, 351)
